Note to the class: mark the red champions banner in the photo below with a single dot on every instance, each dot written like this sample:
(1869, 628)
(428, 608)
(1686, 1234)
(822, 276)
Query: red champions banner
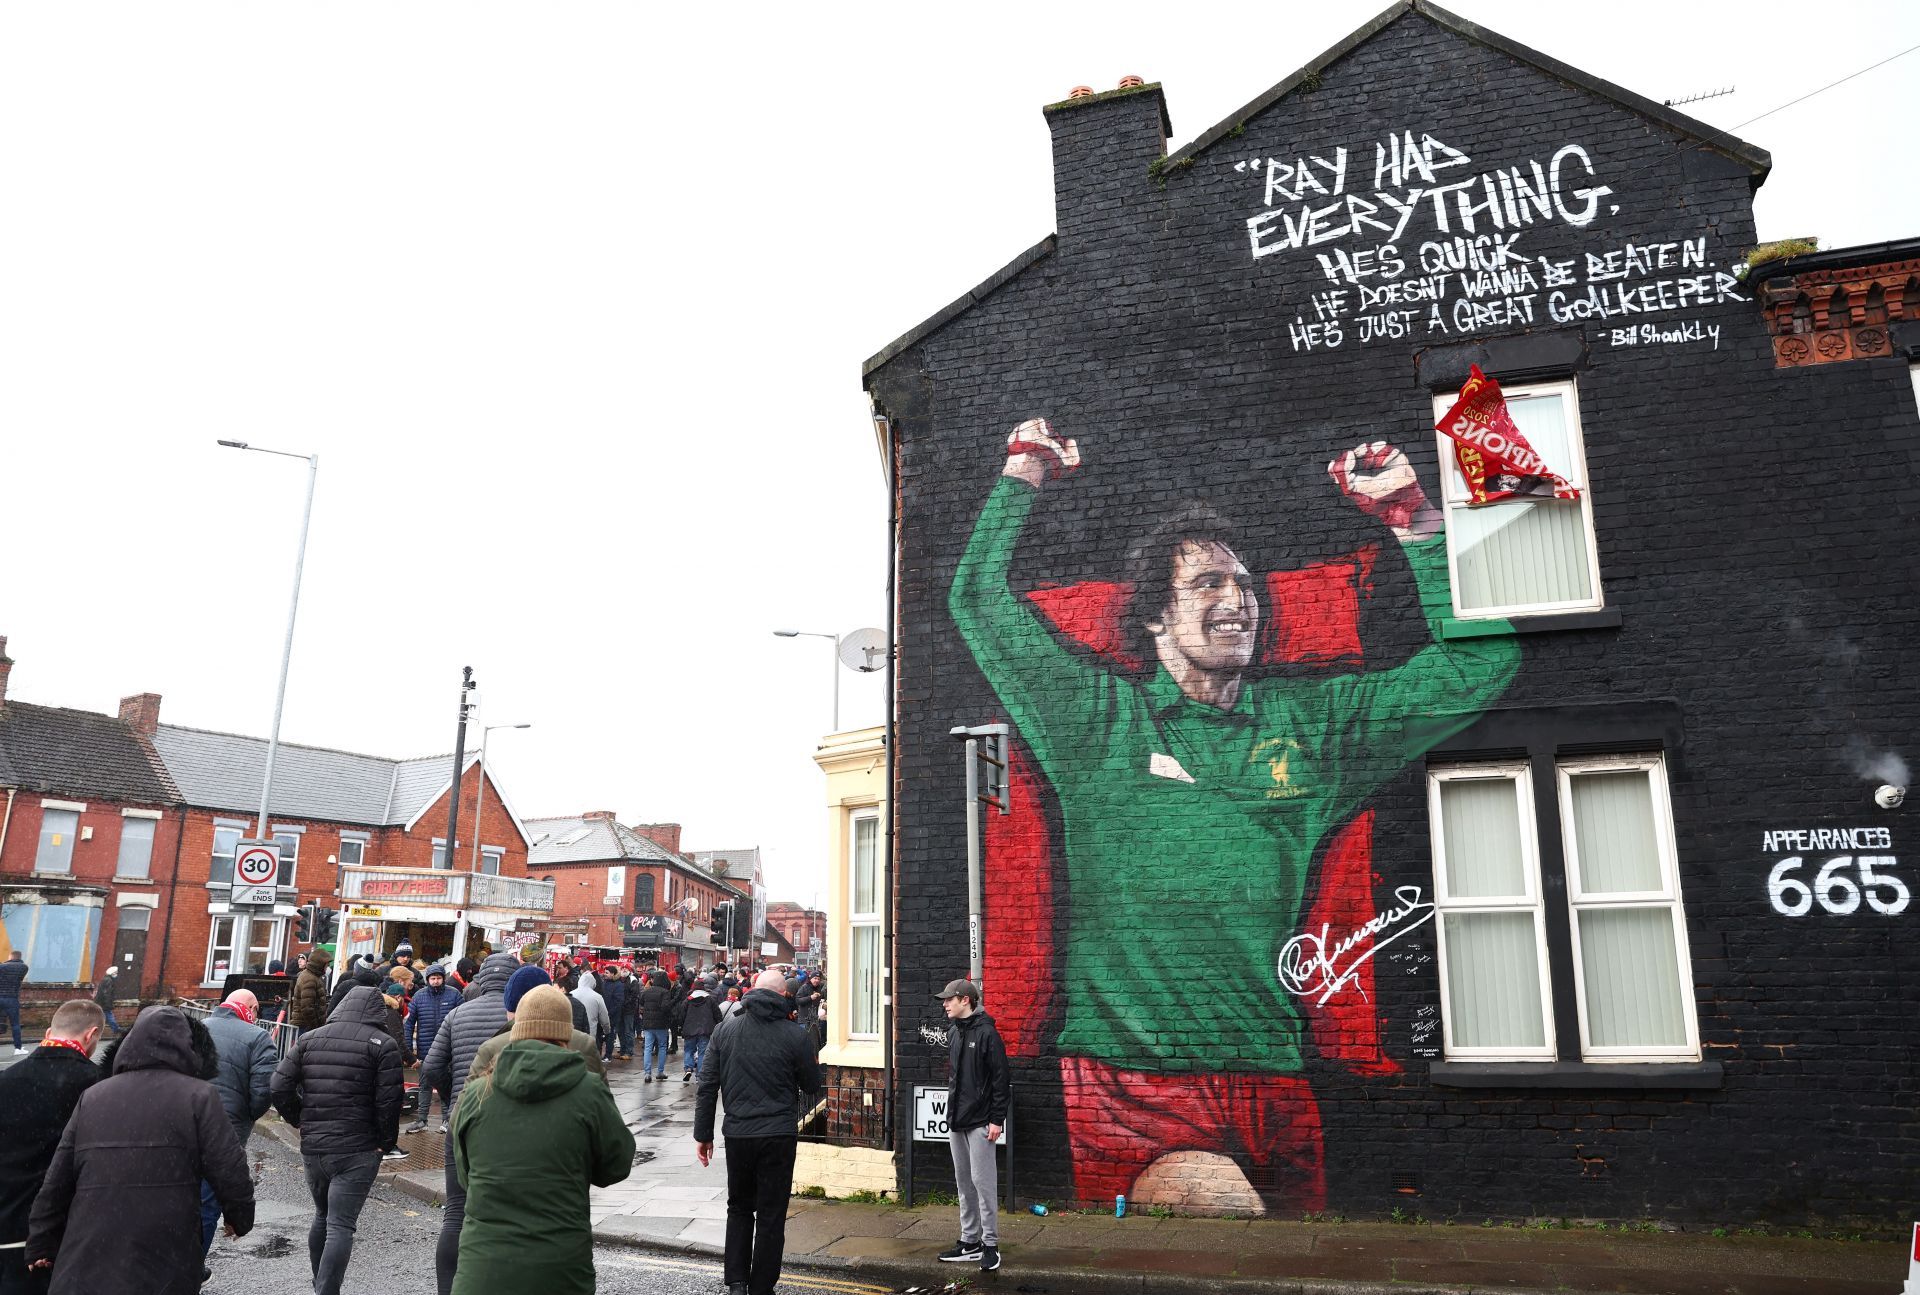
(1494, 457)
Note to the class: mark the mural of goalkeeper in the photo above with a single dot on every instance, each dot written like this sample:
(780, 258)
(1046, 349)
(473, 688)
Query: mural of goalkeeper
(1193, 802)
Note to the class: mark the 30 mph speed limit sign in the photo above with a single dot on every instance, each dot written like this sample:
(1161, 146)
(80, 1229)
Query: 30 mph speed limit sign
(256, 863)
(256, 870)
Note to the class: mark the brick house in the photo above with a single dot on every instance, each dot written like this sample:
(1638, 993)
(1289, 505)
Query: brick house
(803, 928)
(1375, 849)
(90, 828)
(362, 834)
(628, 887)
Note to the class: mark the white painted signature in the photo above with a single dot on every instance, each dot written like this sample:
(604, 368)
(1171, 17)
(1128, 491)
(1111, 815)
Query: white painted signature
(933, 1037)
(1309, 968)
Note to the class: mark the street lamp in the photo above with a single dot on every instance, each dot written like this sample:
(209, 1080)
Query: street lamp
(480, 793)
(293, 609)
(833, 639)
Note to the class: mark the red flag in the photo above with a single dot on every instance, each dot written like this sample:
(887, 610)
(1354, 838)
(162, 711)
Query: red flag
(1494, 457)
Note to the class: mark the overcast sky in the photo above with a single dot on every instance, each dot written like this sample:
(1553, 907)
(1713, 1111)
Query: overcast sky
(571, 300)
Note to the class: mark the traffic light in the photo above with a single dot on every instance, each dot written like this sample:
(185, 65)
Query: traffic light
(326, 924)
(303, 923)
(717, 924)
(742, 923)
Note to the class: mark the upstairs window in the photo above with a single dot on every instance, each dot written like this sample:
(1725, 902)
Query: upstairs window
(1528, 556)
(136, 845)
(57, 830)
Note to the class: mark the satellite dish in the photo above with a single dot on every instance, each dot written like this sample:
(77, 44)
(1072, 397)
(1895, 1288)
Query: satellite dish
(864, 650)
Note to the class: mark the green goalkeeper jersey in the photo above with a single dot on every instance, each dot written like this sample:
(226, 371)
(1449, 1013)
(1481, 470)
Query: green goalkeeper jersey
(1188, 830)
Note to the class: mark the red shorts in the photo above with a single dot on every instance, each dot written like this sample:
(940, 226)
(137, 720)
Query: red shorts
(1121, 1121)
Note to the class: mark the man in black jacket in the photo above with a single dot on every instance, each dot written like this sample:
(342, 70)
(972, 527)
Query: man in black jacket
(656, 1018)
(38, 1095)
(341, 1087)
(978, 1097)
(759, 1063)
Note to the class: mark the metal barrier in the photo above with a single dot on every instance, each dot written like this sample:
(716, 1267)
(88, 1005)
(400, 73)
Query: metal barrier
(846, 1115)
(282, 1033)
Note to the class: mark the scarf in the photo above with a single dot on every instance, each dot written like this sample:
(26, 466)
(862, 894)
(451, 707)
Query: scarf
(69, 1044)
(242, 1011)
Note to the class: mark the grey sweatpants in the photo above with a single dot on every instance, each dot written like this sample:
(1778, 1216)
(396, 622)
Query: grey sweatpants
(976, 1176)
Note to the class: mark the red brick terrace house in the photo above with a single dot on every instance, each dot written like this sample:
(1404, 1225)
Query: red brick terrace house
(628, 887)
(361, 833)
(804, 928)
(88, 835)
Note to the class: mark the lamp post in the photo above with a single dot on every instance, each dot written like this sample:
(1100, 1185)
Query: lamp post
(481, 793)
(468, 702)
(833, 639)
(293, 610)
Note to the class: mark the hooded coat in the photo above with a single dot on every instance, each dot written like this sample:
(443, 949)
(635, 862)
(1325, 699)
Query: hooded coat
(308, 1008)
(656, 1005)
(613, 992)
(587, 994)
(431, 1007)
(244, 1078)
(699, 1015)
(120, 1208)
(38, 1095)
(980, 1089)
(529, 1142)
(357, 972)
(759, 1065)
(341, 1085)
(469, 1025)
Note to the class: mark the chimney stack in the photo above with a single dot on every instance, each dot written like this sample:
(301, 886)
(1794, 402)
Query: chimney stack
(141, 712)
(598, 814)
(6, 667)
(664, 835)
(1106, 151)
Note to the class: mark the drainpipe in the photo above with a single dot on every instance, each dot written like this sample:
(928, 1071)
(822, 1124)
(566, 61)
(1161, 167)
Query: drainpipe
(7, 822)
(892, 800)
(173, 889)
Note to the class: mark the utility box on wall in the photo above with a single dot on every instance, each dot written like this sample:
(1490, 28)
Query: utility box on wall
(1367, 840)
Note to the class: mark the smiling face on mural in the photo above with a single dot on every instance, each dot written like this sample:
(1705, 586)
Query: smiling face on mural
(1205, 634)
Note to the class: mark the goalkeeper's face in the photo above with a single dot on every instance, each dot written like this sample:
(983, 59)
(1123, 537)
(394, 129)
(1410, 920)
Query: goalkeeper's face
(1212, 616)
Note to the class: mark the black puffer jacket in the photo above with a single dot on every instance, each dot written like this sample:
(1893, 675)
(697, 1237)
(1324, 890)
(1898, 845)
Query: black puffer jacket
(120, 1208)
(699, 1015)
(656, 1007)
(341, 1085)
(759, 1063)
(469, 1025)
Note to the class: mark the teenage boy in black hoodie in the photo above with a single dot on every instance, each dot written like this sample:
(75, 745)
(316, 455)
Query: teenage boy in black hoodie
(978, 1097)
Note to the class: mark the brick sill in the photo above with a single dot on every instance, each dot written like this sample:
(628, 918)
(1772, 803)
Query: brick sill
(135, 881)
(1593, 1075)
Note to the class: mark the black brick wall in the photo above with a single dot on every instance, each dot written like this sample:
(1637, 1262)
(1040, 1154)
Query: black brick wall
(1755, 531)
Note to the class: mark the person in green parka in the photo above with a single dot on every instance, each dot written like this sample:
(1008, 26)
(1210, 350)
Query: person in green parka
(529, 1141)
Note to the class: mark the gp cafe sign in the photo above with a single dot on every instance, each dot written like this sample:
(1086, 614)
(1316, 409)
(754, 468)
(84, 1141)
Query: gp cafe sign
(643, 931)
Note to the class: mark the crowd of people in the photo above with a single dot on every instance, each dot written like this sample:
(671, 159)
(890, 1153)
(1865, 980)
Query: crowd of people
(120, 1164)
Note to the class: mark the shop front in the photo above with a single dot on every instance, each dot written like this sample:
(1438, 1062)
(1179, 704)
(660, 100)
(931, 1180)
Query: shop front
(444, 915)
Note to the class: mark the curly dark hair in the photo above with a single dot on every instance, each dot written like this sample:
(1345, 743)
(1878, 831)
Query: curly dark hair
(1149, 568)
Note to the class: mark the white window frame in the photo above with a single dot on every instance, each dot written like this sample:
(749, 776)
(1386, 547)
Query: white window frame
(491, 857)
(1668, 896)
(234, 924)
(63, 867)
(239, 829)
(289, 868)
(128, 817)
(440, 850)
(354, 839)
(1453, 498)
(856, 921)
(1520, 774)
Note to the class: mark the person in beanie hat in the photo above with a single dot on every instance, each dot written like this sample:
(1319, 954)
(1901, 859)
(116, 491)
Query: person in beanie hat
(522, 1136)
(430, 1005)
(105, 995)
(524, 982)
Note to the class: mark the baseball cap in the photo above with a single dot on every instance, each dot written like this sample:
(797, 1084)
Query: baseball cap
(960, 989)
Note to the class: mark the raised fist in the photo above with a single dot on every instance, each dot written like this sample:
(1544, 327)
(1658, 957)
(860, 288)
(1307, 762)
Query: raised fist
(1036, 455)
(1381, 483)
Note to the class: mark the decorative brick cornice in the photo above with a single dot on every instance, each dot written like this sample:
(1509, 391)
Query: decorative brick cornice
(1829, 315)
